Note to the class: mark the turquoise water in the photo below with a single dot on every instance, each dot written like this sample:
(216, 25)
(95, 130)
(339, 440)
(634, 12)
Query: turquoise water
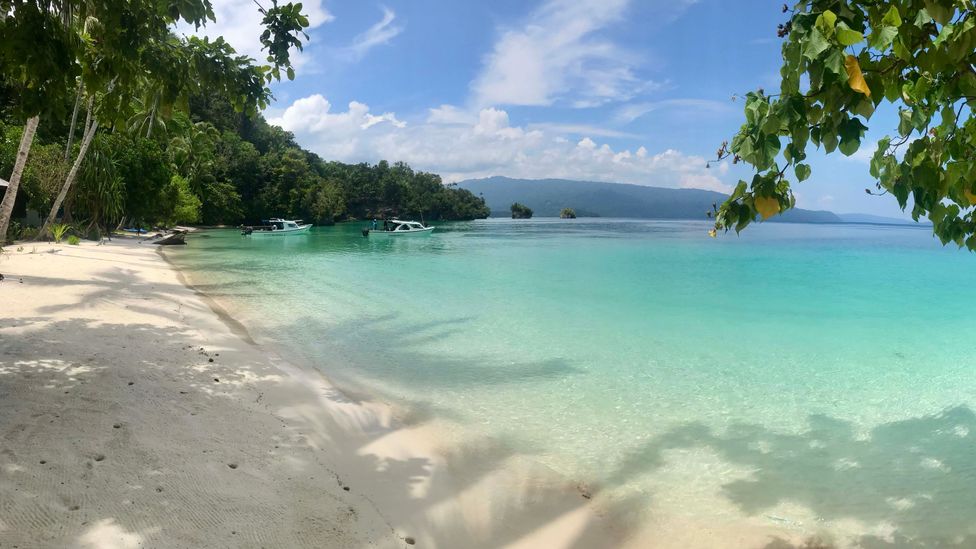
(799, 374)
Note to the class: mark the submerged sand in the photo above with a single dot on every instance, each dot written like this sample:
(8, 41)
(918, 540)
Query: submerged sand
(133, 415)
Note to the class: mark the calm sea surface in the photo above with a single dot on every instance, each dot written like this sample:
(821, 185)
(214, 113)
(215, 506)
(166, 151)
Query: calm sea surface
(806, 375)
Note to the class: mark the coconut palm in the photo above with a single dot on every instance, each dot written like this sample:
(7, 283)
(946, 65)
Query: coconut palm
(45, 57)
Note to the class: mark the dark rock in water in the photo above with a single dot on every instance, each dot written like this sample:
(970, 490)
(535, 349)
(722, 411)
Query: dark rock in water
(232, 465)
(132, 383)
(217, 379)
(346, 488)
(209, 360)
(410, 541)
(116, 425)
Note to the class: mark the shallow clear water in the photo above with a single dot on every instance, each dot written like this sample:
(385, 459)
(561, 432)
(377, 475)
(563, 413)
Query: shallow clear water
(800, 372)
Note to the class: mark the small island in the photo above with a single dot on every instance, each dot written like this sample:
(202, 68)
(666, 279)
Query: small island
(567, 213)
(521, 211)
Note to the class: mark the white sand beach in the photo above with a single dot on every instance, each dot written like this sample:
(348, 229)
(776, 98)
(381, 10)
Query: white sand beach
(134, 414)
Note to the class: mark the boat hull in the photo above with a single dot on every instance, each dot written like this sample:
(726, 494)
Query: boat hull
(418, 232)
(283, 232)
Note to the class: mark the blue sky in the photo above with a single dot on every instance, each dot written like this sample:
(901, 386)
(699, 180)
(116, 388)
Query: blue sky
(634, 91)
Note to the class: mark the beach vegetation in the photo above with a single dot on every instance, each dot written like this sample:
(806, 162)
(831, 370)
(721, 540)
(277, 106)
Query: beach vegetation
(186, 205)
(521, 211)
(59, 231)
(73, 240)
(842, 60)
(71, 53)
(567, 213)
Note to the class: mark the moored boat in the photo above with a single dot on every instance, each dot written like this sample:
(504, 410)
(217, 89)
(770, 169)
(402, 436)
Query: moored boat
(277, 227)
(396, 227)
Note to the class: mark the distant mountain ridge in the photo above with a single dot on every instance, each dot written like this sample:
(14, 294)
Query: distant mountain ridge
(547, 197)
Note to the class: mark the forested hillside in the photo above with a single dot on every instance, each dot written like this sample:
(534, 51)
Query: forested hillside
(547, 198)
(211, 166)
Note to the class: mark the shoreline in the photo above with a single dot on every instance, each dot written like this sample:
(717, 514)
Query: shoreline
(385, 482)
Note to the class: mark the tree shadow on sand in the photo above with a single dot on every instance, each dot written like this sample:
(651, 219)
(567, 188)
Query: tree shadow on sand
(918, 474)
(409, 483)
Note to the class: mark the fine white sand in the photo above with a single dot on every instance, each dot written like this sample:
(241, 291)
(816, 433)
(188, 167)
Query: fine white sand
(134, 414)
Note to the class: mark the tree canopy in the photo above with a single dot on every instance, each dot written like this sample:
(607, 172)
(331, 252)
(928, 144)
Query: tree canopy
(521, 211)
(841, 60)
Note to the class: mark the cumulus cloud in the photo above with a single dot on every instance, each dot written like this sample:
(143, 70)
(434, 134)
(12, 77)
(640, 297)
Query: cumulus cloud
(239, 22)
(460, 145)
(557, 53)
(377, 35)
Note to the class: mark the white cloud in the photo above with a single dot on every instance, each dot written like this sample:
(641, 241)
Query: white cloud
(377, 35)
(352, 129)
(239, 22)
(628, 113)
(458, 146)
(449, 114)
(557, 55)
(580, 129)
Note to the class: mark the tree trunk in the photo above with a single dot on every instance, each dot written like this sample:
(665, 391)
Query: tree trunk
(85, 143)
(152, 117)
(7, 206)
(74, 121)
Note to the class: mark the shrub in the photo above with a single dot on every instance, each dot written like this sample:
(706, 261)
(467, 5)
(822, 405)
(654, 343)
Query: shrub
(59, 230)
(27, 233)
(74, 240)
(94, 233)
(568, 213)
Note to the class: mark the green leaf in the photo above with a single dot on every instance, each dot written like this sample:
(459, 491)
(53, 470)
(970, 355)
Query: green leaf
(835, 62)
(882, 37)
(901, 50)
(864, 107)
(892, 18)
(829, 140)
(802, 172)
(740, 191)
(771, 147)
(849, 146)
(944, 34)
(922, 18)
(816, 44)
(291, 73)
(904, 122)
(939, 11)
(828, 18)
(847, 36)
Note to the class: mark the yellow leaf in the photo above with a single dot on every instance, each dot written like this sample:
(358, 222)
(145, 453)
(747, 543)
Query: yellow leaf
(767, 206)
(712, 233)
(970, 197)
(854, 77)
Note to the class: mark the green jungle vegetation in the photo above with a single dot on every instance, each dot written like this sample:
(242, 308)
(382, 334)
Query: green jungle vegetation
(108, 118)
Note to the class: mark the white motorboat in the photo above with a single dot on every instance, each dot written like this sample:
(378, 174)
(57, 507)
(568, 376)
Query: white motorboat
(396, 227)
(277, 227)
